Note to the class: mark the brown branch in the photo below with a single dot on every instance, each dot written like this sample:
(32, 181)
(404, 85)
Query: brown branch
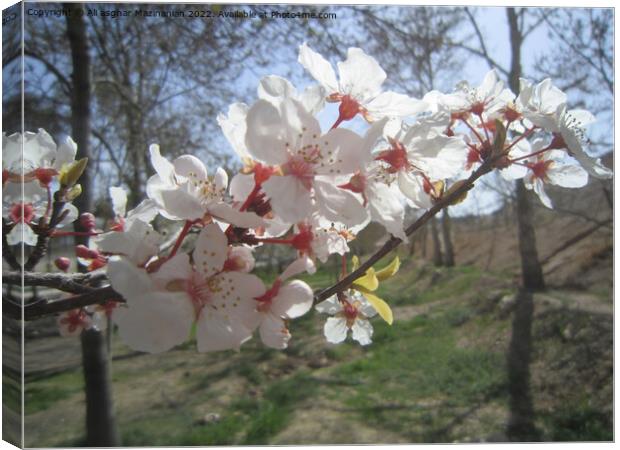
(42, 308)
(78, 283)
(394, 242)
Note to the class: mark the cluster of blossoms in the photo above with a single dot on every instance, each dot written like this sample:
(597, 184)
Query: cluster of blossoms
(313, 191)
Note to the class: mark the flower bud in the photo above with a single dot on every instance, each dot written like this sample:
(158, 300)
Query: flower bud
(87, 220)
(73, 193)
(240, 259)
(81, 251)
(62, 263)
(70, 175)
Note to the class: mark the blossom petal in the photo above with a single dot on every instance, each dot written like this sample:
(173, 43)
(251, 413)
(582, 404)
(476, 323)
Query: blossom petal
(539, 188)
(234, 127)
(127, 279)
(155, 322)
(138, 243)
(335, 330)
(338, 205)
(268, 133)
(176, 268)
(181, 204)
(66, 153)
(302, 264)
(189, 166)
(362, 331)
(233, 294)
(293, 300)
(119, 200)
(273, 332)
(411, 186)
(386, 208)
(392, 104)
(145, 211)
(320, 69)
(313, 98)
(329, 306)
(361, 76)
(211, 250)
(216, 332)
(567, 175)
(275, 87)
(243, 219)
(289, 198)
(240, 186)
(162, 166)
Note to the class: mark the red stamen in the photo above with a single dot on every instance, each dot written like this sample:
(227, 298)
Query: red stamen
(396, 157)
(349, 107)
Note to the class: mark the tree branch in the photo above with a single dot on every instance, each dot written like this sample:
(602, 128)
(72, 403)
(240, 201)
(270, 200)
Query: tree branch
(394, 242)
(42, 308)
(75, 283)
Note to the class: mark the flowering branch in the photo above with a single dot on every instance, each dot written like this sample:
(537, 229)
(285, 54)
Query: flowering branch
(78, 283)
(394, 242)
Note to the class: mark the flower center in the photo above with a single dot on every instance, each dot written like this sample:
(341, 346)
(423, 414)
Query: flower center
(265, 300)
(302, 241)
(349, 107)
(540, 168)
(396, 157)
(22, 212)
(301, 167)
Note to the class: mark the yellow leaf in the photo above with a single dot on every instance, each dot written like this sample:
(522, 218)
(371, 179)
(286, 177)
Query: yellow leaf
(380, 306)
(463, 195)
(389, 271)
(367, 282)
(356, 262)
(69, 174)
(500, 138)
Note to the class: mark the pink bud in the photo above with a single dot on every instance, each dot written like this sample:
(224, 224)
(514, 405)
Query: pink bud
(87, 220)
(82, 251)
(62, 263)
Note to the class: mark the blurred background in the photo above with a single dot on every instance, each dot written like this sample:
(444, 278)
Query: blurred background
(469, 358)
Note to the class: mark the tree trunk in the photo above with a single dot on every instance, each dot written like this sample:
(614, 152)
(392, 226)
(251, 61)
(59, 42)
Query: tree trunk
(521, 423)
(531, 269)
(448, 256)
(101, 428)
(437, 258)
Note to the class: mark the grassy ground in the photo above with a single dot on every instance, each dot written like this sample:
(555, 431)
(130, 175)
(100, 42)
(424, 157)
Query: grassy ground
(436, 375)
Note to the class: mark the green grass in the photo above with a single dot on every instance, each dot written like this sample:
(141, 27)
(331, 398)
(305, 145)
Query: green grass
(246, 420)
(11, 390)
(42, 393)
(417, 380)
(416, 364)
(577, 421)
(405, 289)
